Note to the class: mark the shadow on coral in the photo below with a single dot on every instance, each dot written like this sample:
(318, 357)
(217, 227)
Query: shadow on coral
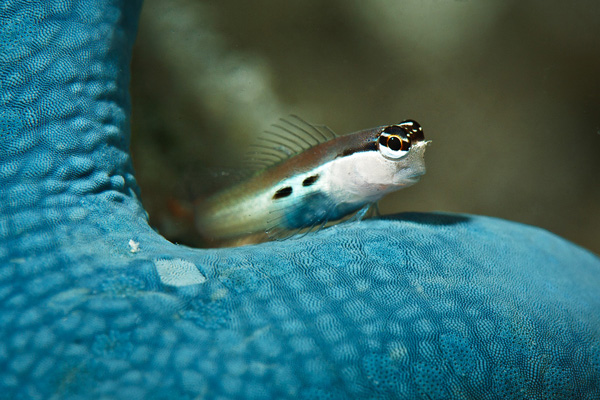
(429, 218)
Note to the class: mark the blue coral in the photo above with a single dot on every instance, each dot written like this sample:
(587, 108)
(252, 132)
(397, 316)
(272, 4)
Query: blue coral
(417, 306)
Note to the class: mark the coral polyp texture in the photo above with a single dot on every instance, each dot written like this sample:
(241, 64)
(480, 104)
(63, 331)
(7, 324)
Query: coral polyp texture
(95, 304)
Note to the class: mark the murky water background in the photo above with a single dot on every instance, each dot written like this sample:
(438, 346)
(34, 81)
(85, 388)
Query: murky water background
(509, 92)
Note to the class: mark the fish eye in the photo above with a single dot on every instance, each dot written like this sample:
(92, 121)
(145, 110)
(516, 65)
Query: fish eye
(393, 142)
(413, 129)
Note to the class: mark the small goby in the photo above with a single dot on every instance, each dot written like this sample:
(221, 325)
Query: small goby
(312, 177)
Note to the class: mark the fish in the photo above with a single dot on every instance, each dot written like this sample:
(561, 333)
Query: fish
(307, 176)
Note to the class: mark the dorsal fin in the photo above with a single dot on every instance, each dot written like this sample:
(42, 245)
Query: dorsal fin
(286, 138)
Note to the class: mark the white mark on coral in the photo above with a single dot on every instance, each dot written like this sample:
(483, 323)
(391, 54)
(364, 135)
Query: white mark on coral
(397, 351)
(253, 336)
(134, 246)
(219, 294)
(362, 285)
(178, 272)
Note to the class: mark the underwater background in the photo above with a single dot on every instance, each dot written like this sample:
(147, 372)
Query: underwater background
(508, 91)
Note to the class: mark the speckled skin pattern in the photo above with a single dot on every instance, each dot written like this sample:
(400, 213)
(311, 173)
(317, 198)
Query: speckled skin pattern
(425, 306)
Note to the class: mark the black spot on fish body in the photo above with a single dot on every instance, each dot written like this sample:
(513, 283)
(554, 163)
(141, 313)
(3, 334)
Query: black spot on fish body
(310, 180)
(283, 192)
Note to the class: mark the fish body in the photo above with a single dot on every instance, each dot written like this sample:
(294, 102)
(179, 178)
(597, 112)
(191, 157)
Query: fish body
(323, 183)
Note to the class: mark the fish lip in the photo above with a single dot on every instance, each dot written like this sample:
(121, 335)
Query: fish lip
(409, 180)
(414, 178)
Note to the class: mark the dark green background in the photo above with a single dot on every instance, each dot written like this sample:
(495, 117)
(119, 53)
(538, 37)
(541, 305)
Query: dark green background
(509, 92)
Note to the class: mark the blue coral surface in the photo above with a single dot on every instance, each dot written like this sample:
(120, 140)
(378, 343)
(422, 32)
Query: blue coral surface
(96, 305)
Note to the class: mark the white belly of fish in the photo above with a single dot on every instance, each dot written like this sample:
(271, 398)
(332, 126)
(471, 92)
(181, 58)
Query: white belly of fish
(365, 177)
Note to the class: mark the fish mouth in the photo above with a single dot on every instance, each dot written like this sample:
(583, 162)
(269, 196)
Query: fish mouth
(408, 180)
(413, 168)
(411, 180)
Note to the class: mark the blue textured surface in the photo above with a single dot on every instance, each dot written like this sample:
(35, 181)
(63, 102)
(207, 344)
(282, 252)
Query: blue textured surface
(427, 306)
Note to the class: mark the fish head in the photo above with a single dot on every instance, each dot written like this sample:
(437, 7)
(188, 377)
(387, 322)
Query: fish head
(396, 160)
